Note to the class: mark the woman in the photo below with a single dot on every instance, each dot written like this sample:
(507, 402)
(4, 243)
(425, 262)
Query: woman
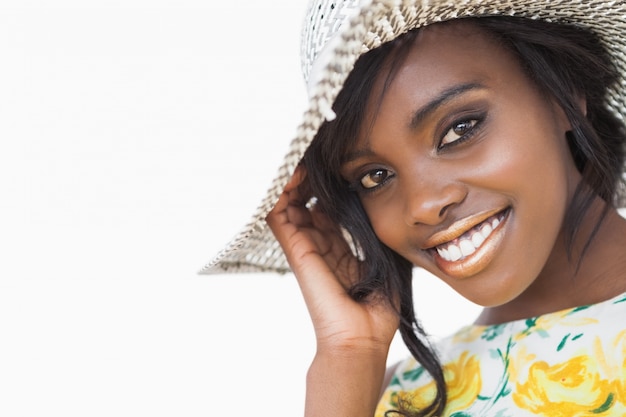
(489, 152)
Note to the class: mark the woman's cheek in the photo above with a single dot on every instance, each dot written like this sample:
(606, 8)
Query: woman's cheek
(387, 222)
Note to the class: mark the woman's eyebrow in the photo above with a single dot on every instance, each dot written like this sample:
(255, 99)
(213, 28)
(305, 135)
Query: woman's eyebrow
(421, 114)
(445, 96)
(352, 156)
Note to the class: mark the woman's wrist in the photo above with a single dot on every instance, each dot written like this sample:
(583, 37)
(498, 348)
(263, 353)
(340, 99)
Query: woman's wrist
(345, 382)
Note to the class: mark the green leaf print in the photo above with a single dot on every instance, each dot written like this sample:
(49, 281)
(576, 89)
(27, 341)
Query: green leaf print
(562, 344)
(621, 300)
(530, 323)
(565, 339)
(607, 404)
(394, 380)
(413, 374)
(492, 332)
(577, 309)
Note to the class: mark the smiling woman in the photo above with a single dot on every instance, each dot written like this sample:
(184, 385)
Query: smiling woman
(460, 164)
(488, 151)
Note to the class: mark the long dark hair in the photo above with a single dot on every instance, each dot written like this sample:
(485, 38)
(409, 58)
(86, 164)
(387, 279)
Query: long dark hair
(565, 61)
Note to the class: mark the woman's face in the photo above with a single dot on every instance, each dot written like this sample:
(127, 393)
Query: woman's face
(463, 167)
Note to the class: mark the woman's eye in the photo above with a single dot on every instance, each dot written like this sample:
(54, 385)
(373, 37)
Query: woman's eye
(458, 130)
(374, 178)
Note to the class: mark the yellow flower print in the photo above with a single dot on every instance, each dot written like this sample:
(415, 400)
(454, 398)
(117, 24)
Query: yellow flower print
(387, 402)
(612, 361)
(468, 334)
(463, 383)
(519, 363)
(570, 389)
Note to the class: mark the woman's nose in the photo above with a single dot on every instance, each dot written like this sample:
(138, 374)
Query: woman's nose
(429, 202)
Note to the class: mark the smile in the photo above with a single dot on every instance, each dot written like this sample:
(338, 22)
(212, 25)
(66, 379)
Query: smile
(469, 252)
(470, 241)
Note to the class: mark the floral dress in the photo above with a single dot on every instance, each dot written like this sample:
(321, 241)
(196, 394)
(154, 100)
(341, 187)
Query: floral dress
(569, 363)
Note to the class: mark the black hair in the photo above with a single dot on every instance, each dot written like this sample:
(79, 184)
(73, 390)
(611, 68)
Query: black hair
(565, 62)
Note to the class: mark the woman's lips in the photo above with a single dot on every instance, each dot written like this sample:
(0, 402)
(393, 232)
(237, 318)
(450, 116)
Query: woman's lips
(472, 251)
(470, 241)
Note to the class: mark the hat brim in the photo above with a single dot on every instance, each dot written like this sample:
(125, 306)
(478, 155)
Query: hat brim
(371, 23)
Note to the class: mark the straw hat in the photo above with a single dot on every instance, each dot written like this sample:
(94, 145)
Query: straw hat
(337, 32)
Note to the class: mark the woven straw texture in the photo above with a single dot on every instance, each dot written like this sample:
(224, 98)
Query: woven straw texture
(336, 33)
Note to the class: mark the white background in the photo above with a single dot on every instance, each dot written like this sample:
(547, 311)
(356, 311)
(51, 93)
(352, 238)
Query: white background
(136, 138)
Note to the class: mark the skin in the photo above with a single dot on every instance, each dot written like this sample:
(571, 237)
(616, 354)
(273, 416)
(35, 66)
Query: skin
(489, 145)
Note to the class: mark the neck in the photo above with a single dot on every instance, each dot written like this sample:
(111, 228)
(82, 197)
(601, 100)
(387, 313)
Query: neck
(584, 275)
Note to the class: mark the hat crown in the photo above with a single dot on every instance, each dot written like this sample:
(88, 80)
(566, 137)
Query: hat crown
(322, 22)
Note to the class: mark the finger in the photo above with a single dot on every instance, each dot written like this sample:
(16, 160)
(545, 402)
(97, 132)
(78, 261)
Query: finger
(299, 216)
(296, 179)
(291, 224)
(322, 220)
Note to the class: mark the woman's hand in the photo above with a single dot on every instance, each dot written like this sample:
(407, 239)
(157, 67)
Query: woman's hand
(325, 268)
(353, 337)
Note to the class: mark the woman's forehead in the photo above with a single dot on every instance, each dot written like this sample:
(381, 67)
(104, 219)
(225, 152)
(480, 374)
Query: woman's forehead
(444, 61)
(444, 56)
(454, 43)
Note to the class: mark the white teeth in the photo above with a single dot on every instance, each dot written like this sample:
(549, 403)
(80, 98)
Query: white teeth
(477, 239)
(454, 253)
(486, 230)
(467, 244)
(467, 248)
